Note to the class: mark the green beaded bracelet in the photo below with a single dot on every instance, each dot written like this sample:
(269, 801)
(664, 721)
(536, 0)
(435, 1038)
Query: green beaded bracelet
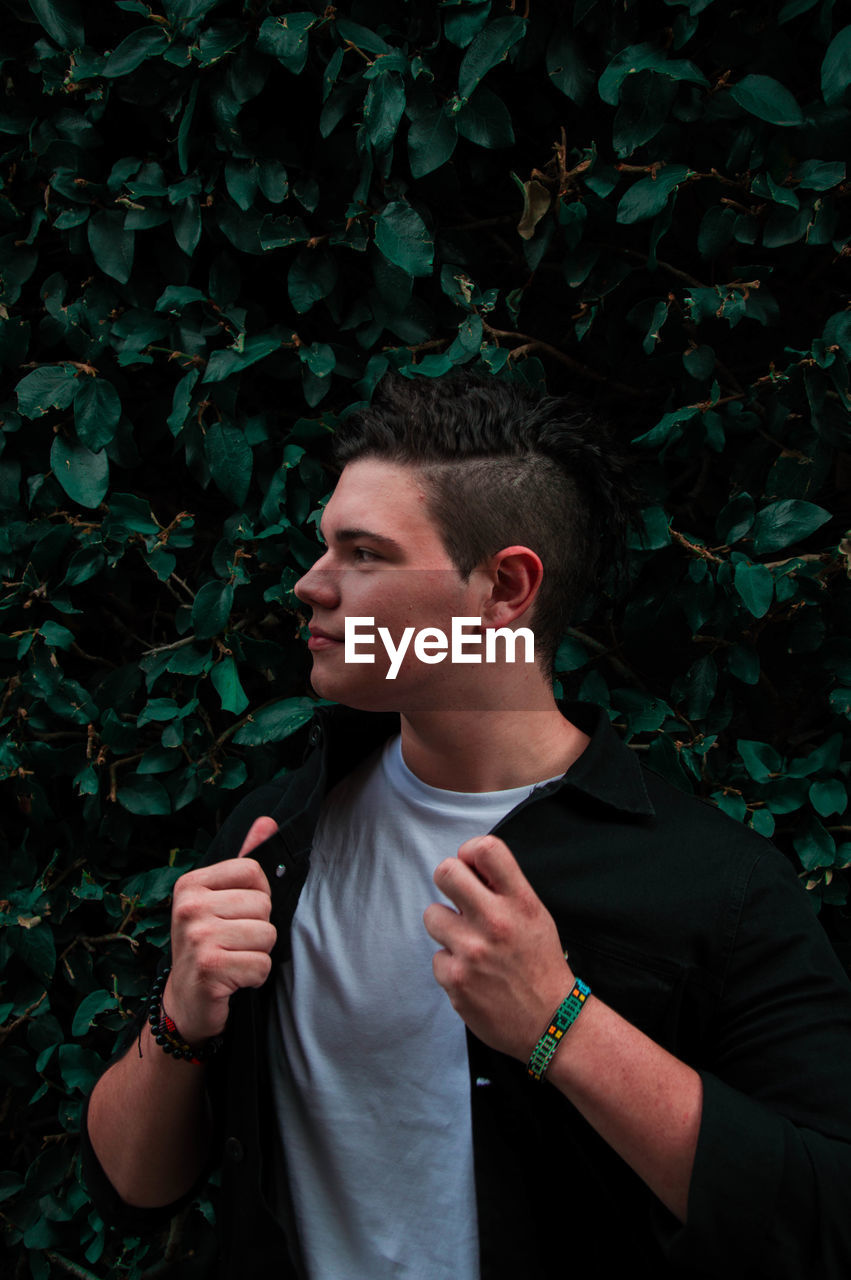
(563, 1018)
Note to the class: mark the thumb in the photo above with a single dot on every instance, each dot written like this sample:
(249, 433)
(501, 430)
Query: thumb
(261, 829)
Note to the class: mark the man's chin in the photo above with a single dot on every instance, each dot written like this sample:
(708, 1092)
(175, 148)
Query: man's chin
(339, 687)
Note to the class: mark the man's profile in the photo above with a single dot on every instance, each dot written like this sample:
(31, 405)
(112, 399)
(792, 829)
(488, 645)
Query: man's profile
(484, 983)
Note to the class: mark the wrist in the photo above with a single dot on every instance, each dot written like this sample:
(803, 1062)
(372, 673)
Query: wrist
(557, 1028)
(166, 1033)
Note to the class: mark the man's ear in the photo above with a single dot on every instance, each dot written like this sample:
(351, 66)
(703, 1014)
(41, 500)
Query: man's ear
(516, 574)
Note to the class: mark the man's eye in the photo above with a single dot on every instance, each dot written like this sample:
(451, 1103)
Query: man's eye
(365, 555)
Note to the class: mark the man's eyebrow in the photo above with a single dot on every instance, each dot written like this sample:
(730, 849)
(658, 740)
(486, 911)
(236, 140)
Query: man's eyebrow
(355, 535)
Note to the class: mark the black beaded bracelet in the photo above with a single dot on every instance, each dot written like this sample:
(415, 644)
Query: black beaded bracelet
(165, 1032)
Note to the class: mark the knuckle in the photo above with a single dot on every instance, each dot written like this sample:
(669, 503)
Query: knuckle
(208, 966)
(262, 967)
(184, 908)
(443, 870)
(500, 931)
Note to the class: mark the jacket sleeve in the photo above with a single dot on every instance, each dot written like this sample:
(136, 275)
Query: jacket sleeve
(771, 1186)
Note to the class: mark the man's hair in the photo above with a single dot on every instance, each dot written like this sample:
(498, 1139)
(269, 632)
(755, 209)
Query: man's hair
(504, 466)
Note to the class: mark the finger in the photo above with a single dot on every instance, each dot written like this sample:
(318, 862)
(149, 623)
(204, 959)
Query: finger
(494, 863)
(241, 904)
(463, 887)
(261, 829)
(233, 873)
(443, 925)
(210, 942)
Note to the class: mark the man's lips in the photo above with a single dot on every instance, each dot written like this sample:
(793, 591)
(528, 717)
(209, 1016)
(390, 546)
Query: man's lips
(320, 639)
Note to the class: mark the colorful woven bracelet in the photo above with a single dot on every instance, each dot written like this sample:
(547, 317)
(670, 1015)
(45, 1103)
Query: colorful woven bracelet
(563, 1018)
(165, 1032)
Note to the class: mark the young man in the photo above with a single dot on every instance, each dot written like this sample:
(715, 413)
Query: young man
(373, 1097)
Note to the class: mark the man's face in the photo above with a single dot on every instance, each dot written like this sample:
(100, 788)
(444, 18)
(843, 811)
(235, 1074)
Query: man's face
(384, 560)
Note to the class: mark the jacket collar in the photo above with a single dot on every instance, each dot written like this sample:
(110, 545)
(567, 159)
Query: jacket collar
(607, 771)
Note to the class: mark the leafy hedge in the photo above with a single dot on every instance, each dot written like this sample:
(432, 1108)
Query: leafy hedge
(220, 224)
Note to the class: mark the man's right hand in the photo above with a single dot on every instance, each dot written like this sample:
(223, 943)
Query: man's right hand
(221, 938)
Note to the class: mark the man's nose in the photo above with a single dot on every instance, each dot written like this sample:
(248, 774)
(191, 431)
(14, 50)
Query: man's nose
(319, 586)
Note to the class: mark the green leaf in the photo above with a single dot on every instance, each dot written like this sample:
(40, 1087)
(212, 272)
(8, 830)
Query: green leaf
(97, 412)
(836, 67)
(62, 20)
(648, 196)
(840, 701)
(230, 459)
(567, 68)
(646, 100)
(384, 107)
(816, 847)
(87, 1010)
(485, 120)
(79, 1067)
(767, 99)
(754, 587)
(83, 475)
(111, 244)
(35, 946)
(643, 57)
(820, 175)
(273, 180)
(736, 519)
(223, 363)
(792, 8)
(241, 180)
(176, 296)
(286, 38)
(697, 688)
(186, 224)
(655, 531)
(762, 821)
(226, 682)
(699, 362)
(311, 277)
(144, 43)
(627, 62)
(571, 655)
(275, 722)
(361, 37)
(657, 320)
(431, 141)
(490, 47)
(783, 523)
(743, 663)
(829, 796)
(152, 887)
(211, 609)
(761, 761)
(716, 231)
(55, 635)
(460, 26)
(733, 805)
(143, 796)
(319, 358)
(52, 386)
(403, 239)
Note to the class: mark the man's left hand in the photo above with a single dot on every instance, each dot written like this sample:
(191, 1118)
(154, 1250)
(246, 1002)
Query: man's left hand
(502, 963)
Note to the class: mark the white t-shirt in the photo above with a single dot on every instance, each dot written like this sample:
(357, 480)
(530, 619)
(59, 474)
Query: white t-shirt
(368, 1057)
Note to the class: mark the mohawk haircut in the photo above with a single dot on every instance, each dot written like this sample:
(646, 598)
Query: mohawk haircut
(504, 466)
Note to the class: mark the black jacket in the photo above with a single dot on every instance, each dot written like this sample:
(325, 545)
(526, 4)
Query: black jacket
(690, 926)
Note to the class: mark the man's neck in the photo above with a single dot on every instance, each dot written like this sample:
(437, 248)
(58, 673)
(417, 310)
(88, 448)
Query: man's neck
(490, 750)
